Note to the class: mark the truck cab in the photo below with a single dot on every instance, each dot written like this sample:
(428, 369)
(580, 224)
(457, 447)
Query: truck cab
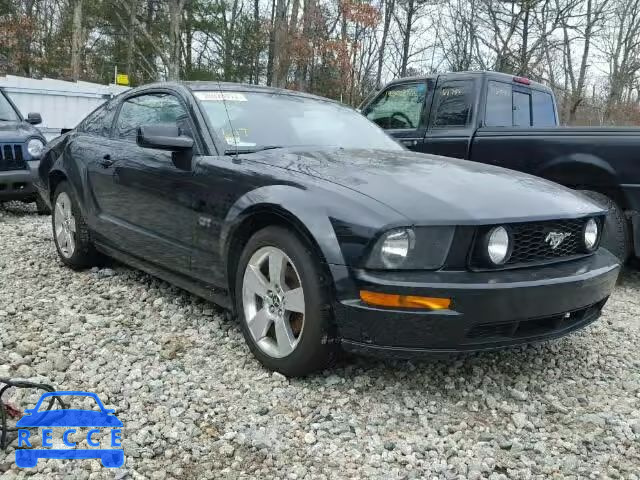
(21, 146)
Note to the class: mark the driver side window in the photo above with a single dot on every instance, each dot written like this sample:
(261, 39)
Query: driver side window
(399, 107)
(147, 109)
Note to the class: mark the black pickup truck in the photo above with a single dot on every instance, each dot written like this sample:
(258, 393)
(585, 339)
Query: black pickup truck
(21, 145)
(512, 122)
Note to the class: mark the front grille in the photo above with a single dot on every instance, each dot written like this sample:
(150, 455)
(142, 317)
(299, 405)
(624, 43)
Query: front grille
(532, 242)
(11, 157)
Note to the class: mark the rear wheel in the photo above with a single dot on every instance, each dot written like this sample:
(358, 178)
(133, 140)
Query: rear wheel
(283, 304)
(617, 235)
(70, 232)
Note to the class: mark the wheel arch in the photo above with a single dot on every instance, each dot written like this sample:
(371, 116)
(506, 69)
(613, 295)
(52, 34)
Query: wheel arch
(585, 172)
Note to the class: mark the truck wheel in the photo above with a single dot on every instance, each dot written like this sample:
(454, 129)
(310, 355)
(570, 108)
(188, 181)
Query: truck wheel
(283, 304)
(70, 232)
(42, 207)
(617, 235)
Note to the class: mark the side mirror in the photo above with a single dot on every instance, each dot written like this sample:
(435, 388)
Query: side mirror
(163, 137)
(34, 118)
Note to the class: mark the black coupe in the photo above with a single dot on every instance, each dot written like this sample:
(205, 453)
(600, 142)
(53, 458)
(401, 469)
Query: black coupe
(318, 230)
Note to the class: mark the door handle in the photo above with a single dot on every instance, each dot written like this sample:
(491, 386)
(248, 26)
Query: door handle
(106, 161)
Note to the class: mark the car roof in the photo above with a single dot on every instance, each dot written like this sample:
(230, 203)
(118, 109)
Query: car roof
(196, 86)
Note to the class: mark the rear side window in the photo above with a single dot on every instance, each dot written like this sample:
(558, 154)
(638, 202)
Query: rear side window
(150, 109)
(399, 107)
(507, 107)
(453, 104)
(544, 112)
(99, 121)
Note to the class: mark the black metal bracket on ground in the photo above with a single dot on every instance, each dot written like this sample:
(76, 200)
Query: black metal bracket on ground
(6, 384)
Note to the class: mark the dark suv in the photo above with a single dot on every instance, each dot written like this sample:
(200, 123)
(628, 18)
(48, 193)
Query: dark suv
(21, 146)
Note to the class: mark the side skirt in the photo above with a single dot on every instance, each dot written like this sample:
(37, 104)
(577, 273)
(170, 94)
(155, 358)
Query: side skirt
(218, 296)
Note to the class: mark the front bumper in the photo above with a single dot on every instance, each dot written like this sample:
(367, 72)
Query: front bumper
(489, 309)
(18, 184)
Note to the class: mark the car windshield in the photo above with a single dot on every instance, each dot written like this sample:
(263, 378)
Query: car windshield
(7, 113)
(255, 120)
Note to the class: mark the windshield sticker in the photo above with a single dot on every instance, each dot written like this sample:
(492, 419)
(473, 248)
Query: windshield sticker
(220, 96)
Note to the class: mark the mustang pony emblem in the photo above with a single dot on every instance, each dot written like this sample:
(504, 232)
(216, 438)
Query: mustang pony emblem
(554, 239)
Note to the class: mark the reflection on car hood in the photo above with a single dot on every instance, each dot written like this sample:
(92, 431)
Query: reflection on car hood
(16, 131)
(69, 418)
(437, 190)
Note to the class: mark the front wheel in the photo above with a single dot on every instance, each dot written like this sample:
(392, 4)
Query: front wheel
(283, 303)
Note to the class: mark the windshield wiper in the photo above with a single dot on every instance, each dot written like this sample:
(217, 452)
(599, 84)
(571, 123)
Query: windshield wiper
(257, 148)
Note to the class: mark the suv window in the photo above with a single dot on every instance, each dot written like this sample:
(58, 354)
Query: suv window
(99, 122)
(7, 113)
(399, 106)
(149, 109)
(453, 104)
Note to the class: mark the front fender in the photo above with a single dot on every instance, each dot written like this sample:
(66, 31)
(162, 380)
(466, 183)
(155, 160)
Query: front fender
(339, 223)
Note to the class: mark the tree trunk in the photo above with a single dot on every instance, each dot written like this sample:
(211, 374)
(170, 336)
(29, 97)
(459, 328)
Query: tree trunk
(272, 44)
(389, 6)
(76, 40)
(131, 37)
(175, 24)
(406, 43)
(280, 45)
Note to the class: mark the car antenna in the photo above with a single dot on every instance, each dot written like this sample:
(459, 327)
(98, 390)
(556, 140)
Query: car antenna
(224, 102)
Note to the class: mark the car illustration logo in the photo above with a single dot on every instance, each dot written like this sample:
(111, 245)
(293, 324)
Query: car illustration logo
(555, 239)
(48, 419)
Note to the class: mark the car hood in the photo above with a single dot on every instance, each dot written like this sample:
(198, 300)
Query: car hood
(16, 131)
(431, 189)
(69, 418)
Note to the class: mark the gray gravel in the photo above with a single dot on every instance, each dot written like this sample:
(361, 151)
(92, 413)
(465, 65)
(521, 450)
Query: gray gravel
(196, 405)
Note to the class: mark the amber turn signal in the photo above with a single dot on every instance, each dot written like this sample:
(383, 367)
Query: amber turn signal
(404, 301)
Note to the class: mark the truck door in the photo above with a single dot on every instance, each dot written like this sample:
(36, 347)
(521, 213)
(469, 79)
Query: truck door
(451, 126)
(401, 110)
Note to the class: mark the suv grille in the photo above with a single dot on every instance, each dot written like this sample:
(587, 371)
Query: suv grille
(11, 157)
(532, 245)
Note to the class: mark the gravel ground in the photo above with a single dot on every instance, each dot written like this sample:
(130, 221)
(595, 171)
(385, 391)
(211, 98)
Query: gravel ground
(196, 405)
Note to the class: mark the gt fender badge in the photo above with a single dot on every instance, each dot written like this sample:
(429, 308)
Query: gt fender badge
(555, 239)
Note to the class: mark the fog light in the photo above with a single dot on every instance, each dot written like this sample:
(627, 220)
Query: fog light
(404, 301)
(498, 245)
(590, 235)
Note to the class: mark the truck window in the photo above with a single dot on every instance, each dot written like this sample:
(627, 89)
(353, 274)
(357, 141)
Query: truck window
(521, 109)
(399, 106)
(453, 104)
(544, 112)
(499, 110)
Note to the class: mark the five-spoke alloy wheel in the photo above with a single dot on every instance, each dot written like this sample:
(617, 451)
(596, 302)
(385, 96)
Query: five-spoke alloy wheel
(64, 225)
(282, 302)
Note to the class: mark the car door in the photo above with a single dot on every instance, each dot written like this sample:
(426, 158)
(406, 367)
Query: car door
(451, 126)
(400, 109)
(152, 202)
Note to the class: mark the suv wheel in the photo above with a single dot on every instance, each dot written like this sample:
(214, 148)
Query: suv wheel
(70, 232)
(282, 303)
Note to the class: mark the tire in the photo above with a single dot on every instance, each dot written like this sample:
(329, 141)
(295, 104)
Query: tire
(617, 235)
(83, 254)
(313, 348)
(41, 207)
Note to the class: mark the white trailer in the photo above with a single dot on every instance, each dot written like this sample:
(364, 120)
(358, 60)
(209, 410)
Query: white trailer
(62, 104)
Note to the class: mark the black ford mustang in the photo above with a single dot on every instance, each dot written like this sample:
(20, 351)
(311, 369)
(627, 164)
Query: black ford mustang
(320, 231)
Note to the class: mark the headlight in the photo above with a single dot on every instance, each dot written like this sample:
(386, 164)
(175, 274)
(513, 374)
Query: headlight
(420, 248)
(35, 148)
(498, 245)
(590, 235)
